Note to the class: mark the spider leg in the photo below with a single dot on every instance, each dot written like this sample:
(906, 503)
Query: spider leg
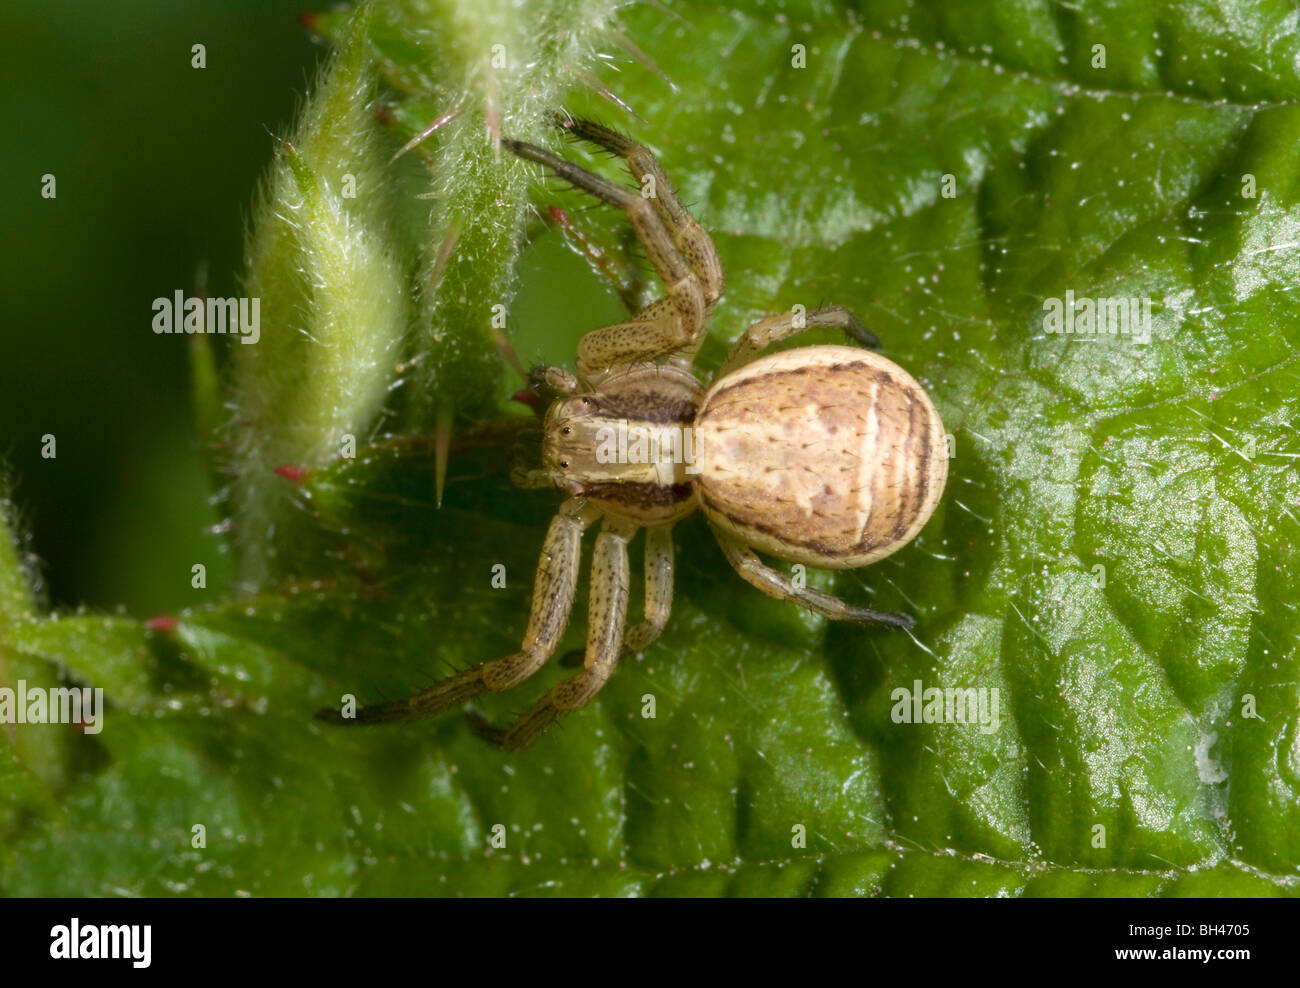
(624, 278)
(774, 329)
(658, 589)
(691, 238)
(529, 478)
(606, 618)
(776, 584)
(552, 382)
(658, 597)
(672, 326)
(523, 475)
(553, 592)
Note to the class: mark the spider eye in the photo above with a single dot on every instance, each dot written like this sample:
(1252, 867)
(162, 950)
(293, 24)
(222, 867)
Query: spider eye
(564, 464)
(586, 401)
(565, 431)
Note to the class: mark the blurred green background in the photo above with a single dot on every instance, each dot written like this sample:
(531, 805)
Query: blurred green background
(155, 163)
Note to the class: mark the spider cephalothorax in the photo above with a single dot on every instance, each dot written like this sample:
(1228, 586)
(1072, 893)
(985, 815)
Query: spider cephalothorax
(830, 456)
(625, 446)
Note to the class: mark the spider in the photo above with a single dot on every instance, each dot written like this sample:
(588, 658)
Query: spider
(831, 456)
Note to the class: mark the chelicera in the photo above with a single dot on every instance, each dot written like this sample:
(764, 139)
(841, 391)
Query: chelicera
(831, 456)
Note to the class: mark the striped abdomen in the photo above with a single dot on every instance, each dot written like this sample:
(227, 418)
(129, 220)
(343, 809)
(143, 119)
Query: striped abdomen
(829, 455)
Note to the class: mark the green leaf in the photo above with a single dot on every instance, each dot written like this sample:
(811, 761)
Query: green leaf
(1115, 553)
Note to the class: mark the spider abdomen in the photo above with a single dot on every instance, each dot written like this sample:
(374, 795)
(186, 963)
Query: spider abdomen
(831, 456)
